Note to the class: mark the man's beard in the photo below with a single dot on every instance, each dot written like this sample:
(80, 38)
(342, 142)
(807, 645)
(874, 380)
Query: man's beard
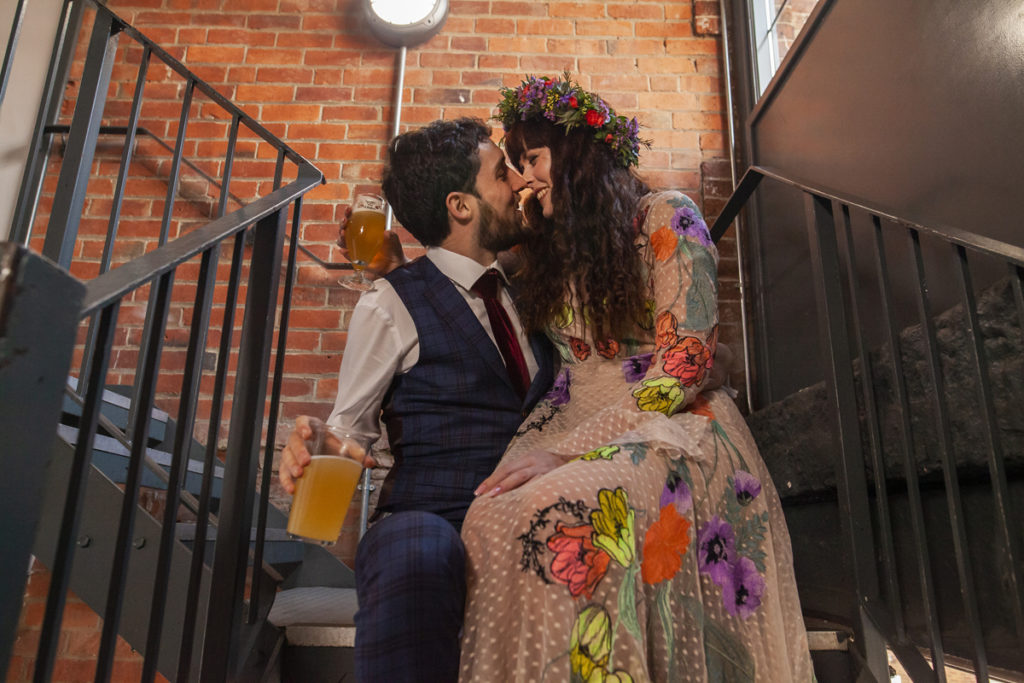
(498, 233)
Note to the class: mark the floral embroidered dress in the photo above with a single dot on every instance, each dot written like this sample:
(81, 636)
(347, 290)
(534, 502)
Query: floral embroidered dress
(658, 551)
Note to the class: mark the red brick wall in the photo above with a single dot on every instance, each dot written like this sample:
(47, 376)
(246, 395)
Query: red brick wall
(77, 646)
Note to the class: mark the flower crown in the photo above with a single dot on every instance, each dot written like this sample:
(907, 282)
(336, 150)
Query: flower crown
(565, 103)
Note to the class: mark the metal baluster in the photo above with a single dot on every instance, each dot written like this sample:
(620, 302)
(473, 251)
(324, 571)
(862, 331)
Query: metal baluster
(138, 427)
(924, 572)
(182, 446)
(212, 436)
(69, 197)
(115, 213)
(223, 624)
(275, 397)
(851, 482)
(60, 572)
(945, 447)
(867, 383)
(993, 444)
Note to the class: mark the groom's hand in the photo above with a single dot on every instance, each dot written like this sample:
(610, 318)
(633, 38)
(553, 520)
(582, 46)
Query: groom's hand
(510, 475)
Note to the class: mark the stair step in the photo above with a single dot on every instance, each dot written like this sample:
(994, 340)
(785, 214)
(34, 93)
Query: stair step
(116, 407)
(316, 616)
(111, 457)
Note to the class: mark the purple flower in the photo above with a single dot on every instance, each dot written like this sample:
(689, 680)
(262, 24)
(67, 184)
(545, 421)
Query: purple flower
(677, 493)
(716, 543)
(747, 487)
(688, 223)
(742, 589)
(635, 367)
(559, 394)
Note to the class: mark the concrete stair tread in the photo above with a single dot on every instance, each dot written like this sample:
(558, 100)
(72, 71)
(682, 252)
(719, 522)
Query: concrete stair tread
(314, 606)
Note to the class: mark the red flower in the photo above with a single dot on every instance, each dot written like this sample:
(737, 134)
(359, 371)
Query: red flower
(688, 360)
(573, 102)
(595, 118)
(665, 543)
(577, 563)
(608, 138)
(580, 348)
(608, 349)
(666, 326)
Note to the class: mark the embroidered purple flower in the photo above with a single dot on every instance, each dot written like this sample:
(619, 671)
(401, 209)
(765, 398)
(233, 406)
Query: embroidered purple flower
(688, 223)
(559, 394)
(677, 493)
(747, 487)
(635, 368)
(717, 543)
(742, 589)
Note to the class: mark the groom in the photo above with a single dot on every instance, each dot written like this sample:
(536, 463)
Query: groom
(448, 367)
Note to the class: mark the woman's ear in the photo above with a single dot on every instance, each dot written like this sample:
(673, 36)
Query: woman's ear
(458, 206)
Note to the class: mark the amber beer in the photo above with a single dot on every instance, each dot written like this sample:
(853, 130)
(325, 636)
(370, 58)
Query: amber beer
(363, 235)
(322, 497)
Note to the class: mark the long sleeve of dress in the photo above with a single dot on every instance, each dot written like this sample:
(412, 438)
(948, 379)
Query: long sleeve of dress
(659, 371)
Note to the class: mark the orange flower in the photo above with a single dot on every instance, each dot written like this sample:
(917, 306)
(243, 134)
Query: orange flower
(665, 329)
(688, 360)
(665, 543)
(701, 406)
(608, 349)
(664, 242)
(580, 348)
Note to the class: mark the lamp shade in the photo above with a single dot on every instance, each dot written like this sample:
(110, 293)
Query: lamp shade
(403, 23)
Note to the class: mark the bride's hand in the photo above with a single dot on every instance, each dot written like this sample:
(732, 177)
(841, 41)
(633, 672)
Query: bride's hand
(510, 475)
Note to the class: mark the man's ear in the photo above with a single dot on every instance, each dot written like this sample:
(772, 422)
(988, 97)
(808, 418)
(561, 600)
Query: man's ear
(459, 207)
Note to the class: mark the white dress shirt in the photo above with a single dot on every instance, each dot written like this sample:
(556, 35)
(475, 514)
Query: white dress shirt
(383, 343)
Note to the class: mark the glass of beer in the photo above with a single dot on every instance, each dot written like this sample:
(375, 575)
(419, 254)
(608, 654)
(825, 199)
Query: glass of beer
(364, 233)
(324, 491)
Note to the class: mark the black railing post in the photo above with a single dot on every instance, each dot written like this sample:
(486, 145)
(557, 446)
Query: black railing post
(39, 311)
(49, 106)
(851, 482)
(225, 617)
(69, 197)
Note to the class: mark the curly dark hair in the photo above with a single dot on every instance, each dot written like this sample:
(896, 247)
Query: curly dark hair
(423, 166)
(588, 245)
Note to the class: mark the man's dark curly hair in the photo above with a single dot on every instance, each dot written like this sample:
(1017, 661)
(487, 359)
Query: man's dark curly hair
(423, 166)
(588, 245)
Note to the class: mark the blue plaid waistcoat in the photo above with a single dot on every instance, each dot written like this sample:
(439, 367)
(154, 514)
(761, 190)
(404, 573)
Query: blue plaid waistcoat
(451, 416)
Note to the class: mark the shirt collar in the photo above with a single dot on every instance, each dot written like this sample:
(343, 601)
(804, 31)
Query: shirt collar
(460, 269)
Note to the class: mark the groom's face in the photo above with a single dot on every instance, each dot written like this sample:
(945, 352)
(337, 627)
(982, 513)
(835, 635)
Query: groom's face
(497, 186)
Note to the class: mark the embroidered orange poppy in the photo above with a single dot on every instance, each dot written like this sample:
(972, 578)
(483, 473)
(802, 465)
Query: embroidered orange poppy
(688, 360)
(665, 543)
(608, 349)
(701, 406)
(664, 243)
(580, 348)
(665, 329)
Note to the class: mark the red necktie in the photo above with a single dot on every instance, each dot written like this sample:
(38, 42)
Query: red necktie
(504, 334)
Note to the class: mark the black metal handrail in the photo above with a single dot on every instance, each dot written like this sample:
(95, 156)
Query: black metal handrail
(214, 633)
(845, 354)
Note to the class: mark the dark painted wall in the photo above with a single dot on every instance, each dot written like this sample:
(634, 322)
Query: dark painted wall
(915, 106)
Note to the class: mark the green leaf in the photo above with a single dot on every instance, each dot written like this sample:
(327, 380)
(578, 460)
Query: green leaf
(702, 296)
(665, 612)
(627, 604)
(726, 658)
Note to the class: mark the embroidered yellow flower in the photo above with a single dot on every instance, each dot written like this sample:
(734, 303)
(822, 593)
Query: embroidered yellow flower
(590, 643)
(565, 317)
(605, 452)
(663, 395)
(617, 677)
(647, 318)
(613, 526)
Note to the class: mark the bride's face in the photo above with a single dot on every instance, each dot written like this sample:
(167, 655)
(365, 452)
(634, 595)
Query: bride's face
(536, 165)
